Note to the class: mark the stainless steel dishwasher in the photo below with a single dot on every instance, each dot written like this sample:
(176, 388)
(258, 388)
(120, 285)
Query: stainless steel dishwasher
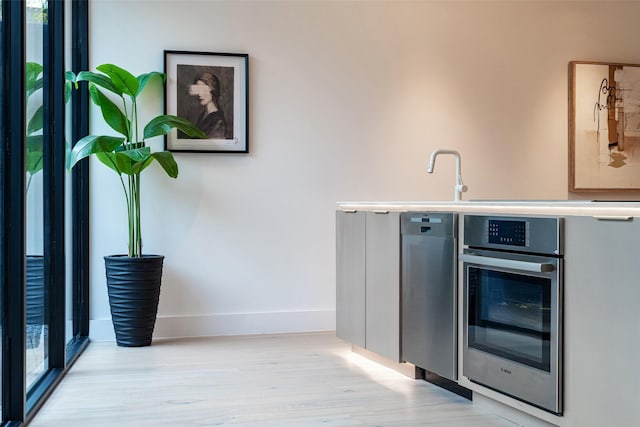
(429, 261)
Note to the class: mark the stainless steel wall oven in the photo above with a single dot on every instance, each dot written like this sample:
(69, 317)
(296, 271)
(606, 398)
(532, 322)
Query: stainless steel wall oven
(513, 271)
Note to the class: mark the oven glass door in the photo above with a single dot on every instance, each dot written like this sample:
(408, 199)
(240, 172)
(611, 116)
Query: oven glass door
(509, 314)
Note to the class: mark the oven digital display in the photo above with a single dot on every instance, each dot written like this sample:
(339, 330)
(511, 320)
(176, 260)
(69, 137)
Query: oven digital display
(503, 232)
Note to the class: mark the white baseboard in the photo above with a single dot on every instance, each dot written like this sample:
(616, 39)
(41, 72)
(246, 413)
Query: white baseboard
(227, 324)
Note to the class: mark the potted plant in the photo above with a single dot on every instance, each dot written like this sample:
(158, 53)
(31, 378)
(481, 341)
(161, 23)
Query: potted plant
(34, 163)
(35, 294)
(133, 280)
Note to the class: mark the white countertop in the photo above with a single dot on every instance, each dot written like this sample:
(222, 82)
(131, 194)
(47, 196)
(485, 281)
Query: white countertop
(501, 207)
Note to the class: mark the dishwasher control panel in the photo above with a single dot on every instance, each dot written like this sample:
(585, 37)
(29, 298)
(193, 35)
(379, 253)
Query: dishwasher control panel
(428, 223)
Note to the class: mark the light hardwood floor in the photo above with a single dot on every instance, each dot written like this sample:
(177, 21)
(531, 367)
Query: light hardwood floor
(269, 380)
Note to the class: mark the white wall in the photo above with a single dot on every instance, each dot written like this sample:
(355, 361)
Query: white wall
(347, 100)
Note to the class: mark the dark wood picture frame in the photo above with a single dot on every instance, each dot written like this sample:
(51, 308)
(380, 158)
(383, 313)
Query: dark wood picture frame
(212, 90)
(604, 126)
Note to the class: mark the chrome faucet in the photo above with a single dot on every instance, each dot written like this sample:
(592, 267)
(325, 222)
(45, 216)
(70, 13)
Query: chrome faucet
(460, 187)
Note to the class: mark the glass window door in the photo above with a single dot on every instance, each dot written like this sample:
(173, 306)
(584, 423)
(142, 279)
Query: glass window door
(44, 209)
(36, 325)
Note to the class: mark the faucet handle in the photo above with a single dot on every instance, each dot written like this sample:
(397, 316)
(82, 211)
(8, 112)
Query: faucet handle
(462, 188)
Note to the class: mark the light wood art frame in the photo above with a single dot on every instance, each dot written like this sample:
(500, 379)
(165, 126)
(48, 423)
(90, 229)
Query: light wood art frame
(604, 126)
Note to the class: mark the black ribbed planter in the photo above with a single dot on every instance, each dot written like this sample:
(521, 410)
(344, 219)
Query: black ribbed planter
(35, 299)
(134, 290)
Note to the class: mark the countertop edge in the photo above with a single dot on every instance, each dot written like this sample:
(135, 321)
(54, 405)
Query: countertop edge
(606, 210)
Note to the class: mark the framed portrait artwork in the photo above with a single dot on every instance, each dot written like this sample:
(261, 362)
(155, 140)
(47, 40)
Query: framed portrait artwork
(211, 90)
(604, 126)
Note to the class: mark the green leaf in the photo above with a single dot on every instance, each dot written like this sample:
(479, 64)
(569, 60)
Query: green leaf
(93, 144)
(143, 79)
(161, 125)
(97, 79)
(138, 167)
(117, 163)
(34, 163)
(109, 159)
(34, 154)
(67, 154)
(34, 86)
(168, 163)
(36, 122)
(68, 88)
(133, 160)
(33, 69)
(35, 143)
(93, 94)
(69, 80)
(32, 82)
(137, 154)
(110, 111)
(123, 80)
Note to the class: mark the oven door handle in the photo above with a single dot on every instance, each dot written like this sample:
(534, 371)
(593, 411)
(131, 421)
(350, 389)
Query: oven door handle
(535, 267)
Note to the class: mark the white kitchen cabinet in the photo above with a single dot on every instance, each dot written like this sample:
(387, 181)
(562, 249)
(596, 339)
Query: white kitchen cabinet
(383, 284)
(601, 303)
(350, 276)
(368, 280)
(602, 322)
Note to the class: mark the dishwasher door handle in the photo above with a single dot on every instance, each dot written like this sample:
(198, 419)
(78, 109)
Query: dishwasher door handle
(535, 267)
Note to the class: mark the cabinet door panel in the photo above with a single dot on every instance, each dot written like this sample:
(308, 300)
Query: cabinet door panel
(383, 284)
(602, 321)
(350, 277)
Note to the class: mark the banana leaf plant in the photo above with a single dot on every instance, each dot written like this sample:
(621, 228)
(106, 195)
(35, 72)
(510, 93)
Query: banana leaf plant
(34, 136)
(127, 154)
(34, 82)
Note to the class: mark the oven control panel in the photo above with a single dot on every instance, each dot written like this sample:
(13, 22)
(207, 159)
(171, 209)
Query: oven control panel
(538, 235)
(506, 232)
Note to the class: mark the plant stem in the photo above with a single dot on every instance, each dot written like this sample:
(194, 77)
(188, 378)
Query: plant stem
(130, 216)
(137, 216)
(126, 114)
(134, 110)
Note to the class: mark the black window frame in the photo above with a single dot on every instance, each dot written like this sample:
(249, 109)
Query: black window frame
(18, 404)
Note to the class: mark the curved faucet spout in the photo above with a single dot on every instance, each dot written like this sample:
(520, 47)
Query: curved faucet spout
(460, 187)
